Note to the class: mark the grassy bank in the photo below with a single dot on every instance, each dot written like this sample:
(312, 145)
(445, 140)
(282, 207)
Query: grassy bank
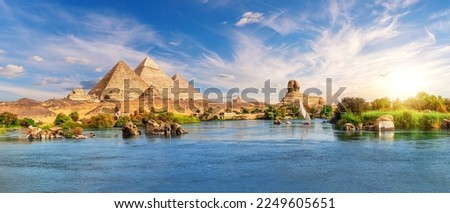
(403, 119)
(178, 118)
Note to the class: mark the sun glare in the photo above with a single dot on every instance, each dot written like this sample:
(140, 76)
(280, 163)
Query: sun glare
(404, 83)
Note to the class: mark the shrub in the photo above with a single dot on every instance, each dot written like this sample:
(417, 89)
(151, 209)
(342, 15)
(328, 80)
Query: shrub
(101, 121)
(8, 119)
(62, 118)
(122, 121)
(74, 115)
(26, 122)
(74, 131)
(348, 118)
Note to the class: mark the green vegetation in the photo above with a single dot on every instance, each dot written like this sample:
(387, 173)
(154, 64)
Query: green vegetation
(75, 116)
(65, 121)
(423, 111)
(122, 120)
(403, 119)
(74, 131)
(101, 120)
(273, 112)
(10, 120)
(177, 118)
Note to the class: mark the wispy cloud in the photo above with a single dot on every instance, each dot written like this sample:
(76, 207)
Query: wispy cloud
(225, 76)
(250, 18)
(394, 5)
(440, 14)
(2, 52)
(11, 71)
(37, 58)
(74, 60)
(99, 69)
(282, 23)
(51, 81)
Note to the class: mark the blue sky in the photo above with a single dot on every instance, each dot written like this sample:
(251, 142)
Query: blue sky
(49, 47)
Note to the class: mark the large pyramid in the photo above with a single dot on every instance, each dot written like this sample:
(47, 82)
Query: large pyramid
(150, 72)
(112, 85)
(185, 89)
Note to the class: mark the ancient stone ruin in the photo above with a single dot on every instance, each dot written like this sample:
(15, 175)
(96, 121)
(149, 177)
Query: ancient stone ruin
(79, 94)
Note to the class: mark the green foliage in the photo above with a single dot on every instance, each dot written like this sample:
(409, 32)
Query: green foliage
(62, 118)
(245, 111)
(75, 116)
(424, 101)
(348, 118)
(408, 119)
(256, 110)
(46, 126)
(272, 112)
(65, 121)
(381, 104)
(183, 119)
(326, 111)
(26, 122)
(74, 131)
(122, 121)
(101, 121)
(8, 119)
(353, 105)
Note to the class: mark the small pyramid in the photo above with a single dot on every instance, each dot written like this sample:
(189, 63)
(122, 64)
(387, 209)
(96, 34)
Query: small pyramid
(112, 85)
(150, 72)
(185, 88)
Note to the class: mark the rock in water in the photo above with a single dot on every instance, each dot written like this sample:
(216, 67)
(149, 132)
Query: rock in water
(384, 123)
(277, 121)
(348, 127)
(129, 129)
(446, 124)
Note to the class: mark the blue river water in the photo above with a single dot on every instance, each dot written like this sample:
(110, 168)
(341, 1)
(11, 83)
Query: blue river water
(231, 156)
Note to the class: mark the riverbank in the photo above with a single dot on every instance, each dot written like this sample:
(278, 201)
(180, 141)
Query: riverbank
(403, 119)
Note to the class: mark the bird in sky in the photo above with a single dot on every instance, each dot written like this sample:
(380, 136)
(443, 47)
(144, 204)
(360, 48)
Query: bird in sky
(384, 74)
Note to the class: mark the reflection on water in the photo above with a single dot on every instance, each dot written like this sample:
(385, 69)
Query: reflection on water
(231, 156)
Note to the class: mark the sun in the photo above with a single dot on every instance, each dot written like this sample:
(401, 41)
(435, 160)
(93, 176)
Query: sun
(404, 83)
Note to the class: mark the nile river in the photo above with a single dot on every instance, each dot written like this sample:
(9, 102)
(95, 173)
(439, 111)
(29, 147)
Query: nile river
(231, 156)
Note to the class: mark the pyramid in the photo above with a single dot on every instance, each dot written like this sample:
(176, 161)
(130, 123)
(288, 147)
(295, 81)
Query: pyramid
(185, 88)
(150, 72)
(112, 85)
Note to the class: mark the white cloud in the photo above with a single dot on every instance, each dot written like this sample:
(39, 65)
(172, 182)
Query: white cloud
(204, 1)
(393, 5)
(11, 71)
(440, 14)
(226, 76)
(75, 60)
(249, 18)
(281, 23)
(99, 69)
(51, 81)
(2, 52)
(175, 43)
(224, 22)
(37, 58)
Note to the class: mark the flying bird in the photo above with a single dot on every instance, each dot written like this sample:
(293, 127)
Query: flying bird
(384, 74)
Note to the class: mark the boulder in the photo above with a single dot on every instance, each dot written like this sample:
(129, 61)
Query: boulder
(360, 126)
(37, 133)
(348, 127)
(176, 129)
(277, 121)
(384, 123)
(163, 128)
(446, 124)
(90, 135)
(129, 129)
